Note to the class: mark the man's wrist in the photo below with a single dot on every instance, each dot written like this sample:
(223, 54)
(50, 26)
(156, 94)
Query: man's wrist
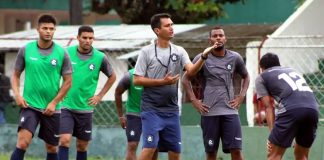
(204, 57)
(192, 99)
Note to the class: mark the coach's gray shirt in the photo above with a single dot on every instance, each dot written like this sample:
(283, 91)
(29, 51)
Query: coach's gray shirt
(155, 64)
(217, 82)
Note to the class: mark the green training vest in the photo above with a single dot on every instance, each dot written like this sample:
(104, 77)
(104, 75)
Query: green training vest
(84, 79)
(42, 75)
(134, 96)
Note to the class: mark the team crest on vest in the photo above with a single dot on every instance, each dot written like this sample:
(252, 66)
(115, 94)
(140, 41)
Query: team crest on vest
(174, 57)
(91, 67)
(53, 62)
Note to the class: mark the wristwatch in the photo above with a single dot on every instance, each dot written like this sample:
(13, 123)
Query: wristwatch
(203, 58)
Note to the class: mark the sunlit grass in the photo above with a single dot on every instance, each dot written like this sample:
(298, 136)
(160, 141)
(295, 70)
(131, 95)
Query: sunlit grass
(6, 156)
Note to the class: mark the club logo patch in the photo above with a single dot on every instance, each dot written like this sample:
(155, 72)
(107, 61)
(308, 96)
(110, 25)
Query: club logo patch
(149, 139)
(229, 67)
(53, 62)
(210, 142)
(91, 67)
(22, 119)
(174, 57)
(132, 133)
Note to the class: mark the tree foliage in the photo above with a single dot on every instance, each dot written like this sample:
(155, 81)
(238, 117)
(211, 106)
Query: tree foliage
(182, 11)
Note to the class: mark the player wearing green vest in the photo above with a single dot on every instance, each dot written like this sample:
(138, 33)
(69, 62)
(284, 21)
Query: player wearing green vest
(44, 63)
(132, 122)
(77, 107)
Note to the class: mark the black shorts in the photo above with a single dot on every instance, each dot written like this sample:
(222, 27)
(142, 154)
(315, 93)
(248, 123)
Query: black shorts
(133, 128)
(77, 124)
(49, 125)
(299, 123)
(224, 127)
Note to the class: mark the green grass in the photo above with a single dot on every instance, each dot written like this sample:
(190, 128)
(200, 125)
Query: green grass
(4, 156)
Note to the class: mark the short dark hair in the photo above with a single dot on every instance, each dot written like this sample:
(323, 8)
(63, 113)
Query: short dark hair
(85, 29)
(269, 60)
(156, 20)
(215, 28)
(46, 18)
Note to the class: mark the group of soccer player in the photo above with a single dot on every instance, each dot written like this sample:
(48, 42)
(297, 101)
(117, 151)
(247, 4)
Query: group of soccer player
(152, 111)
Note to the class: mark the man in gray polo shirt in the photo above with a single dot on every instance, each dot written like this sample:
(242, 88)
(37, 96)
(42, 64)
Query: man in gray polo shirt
(157, 70)
(218, 106)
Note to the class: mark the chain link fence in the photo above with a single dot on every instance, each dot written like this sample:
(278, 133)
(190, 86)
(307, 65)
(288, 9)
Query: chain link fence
(105, 113)
(123, 59)
(303, 53)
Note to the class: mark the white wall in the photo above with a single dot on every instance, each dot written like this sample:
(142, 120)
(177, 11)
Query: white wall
(299, 43)
(307, 20)
(120, 68)
(252, 67)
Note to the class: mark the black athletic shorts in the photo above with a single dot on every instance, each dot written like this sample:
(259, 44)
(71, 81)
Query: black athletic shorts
(77, 124)
(299, 123)
(224, 127)
(49, 125)
(133, 128)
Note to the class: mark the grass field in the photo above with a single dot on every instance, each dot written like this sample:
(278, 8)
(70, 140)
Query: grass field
(5, 156)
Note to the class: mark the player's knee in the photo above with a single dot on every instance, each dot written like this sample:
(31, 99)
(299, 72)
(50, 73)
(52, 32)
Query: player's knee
(211, 155)
(24, 139)
(65, 141)
(132, 146)
(51, 148)
(23, 143)
(300, 155)
(236, 154)
(82, 146)
(173, 155)
(273, 156)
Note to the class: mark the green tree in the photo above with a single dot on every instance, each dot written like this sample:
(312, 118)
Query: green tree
(182, 11)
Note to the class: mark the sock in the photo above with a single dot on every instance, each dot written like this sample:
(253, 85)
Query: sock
(17, 154)
(63, 153)
(81, 155)
(51, 156)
